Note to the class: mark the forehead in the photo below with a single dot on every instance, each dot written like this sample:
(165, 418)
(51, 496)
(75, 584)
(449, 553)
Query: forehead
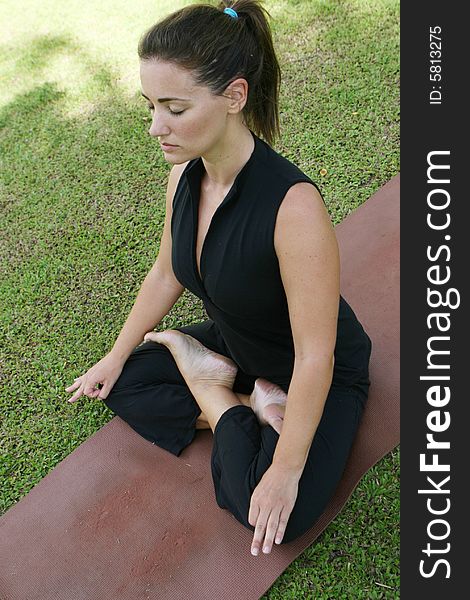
(162, 78)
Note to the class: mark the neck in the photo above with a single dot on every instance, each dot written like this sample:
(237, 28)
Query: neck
(227, 158)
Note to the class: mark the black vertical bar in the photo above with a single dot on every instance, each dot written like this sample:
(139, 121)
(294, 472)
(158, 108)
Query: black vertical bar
(434, 260)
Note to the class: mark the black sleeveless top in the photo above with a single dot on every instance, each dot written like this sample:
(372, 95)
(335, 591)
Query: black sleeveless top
(241, 285)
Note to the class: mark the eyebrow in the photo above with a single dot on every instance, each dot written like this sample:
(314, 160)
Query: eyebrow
(165, 99)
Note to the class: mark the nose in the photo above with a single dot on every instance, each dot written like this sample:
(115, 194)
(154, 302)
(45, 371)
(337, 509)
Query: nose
(158, 127)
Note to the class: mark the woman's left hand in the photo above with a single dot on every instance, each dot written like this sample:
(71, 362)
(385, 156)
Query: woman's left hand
(271, 504)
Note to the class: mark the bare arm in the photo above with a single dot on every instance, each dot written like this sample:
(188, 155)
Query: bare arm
(308, 256)
(309, 261)
(160, 288)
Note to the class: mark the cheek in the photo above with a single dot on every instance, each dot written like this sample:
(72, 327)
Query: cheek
(193, 129)
(198, 125)
(197, 134)
(204, 121)
(199, 131)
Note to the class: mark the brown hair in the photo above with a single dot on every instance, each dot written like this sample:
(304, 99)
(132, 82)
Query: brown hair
(218, 49)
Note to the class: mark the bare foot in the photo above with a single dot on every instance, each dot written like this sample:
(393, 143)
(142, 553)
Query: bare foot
(200, 367)
(268, 402)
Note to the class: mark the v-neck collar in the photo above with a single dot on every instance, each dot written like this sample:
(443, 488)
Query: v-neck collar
(194, 174)
(195, 171)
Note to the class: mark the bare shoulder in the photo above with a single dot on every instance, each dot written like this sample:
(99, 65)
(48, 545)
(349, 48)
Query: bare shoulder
(173, 179)
(302, 212)
(301, 199)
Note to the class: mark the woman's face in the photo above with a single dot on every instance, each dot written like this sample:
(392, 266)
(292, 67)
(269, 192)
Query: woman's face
(184, 114)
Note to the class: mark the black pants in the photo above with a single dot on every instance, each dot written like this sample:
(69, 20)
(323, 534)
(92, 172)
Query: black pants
(153, 398)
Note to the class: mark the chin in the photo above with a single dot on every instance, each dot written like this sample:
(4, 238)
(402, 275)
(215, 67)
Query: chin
(179, 160)
(174, 160)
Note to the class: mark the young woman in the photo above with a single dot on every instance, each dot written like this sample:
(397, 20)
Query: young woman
(279, 371)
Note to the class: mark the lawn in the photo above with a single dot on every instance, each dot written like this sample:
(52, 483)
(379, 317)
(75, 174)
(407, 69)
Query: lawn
(82, 207)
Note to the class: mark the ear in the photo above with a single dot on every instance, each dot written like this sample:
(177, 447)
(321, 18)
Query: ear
(237, 93)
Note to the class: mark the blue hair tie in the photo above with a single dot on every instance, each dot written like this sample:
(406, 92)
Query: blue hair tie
(231, 12)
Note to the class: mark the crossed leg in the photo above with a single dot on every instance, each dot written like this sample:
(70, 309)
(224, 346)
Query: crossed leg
(154, 398)
(210, 377)
(203, 423)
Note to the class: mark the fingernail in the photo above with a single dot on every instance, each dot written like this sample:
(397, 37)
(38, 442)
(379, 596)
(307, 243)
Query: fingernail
(254, 551)
(266, 550)
(278, 540)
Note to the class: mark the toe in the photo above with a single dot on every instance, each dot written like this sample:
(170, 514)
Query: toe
(151, 336)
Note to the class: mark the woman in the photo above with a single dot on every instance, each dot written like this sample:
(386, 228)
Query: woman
(279, 371)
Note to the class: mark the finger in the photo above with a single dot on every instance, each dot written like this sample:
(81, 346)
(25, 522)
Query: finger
(259, 533)
(103, 392)
(77, 395)
(90, 390)
(74, 386)
(90, 386)
(271, 529)
(253, 512)
(281, 529)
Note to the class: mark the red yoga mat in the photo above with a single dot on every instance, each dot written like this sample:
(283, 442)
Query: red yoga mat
(121, 518)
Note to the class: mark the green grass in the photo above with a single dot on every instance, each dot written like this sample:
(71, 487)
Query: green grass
(82, 201)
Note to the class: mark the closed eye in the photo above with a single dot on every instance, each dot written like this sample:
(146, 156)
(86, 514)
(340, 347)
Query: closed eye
(172, 112)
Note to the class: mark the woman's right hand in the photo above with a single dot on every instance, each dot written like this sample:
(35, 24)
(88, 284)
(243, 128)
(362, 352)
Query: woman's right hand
(104, 374)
